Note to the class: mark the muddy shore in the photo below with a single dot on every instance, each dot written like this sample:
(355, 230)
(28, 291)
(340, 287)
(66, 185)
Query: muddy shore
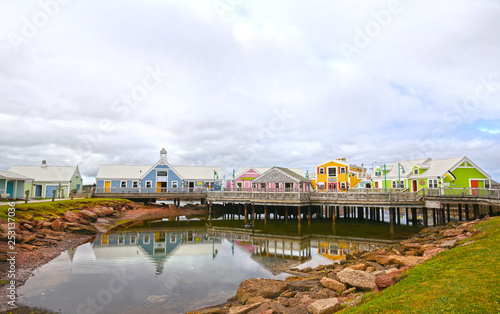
(40, 241)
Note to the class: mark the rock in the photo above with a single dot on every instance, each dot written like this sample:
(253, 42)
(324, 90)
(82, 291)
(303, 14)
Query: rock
(348, 291)
(209, 310)
(72, 216)
(288, 294)
(333, 284)
(82, 229)
(375, 265)
(357, 278)
(433, 251)
(56, 225)
(357, 300)
(350, 257)
(412, 246)
(302, 285)
(325, 306)
(388, 279)
(268, 308)
(88, 215)
(320, 295)
(258, 299)
(243, 309)
(296, 309)
(267, 288)
(107, 211)
(28, 226)
(406, 260)
(449, 244)
(451, 233)
(306, 270)
(359, 266)
(28, 239)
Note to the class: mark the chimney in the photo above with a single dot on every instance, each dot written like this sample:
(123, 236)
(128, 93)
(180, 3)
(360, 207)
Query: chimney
(44, 164)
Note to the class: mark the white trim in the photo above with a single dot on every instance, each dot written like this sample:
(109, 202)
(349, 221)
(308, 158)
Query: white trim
(144, 239)
(336, 171)
(121, 183)
(150, 184)
(433, 180)
(176, 184)
(482, 179)
(162, 161)
(118, 240)
(340, 170)
(321, 172)
(172, 236)
(136, 183)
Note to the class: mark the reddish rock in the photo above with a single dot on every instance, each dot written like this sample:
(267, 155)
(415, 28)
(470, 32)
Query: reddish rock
(409, 261)
(387, 280)
(72, 216)
(56, 225)
(357, 278)
(88, 215)
(333, 284)
(431, 252)
(267, 288)
(325, 306)
(28, 239)
(359, 266)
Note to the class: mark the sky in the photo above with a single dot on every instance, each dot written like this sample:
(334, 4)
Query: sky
(234, 83)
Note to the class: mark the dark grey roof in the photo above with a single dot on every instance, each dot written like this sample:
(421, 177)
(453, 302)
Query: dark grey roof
(280, 175)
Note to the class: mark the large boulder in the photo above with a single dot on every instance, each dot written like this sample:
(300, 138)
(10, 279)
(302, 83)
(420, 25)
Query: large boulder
(56, 225)
(267, 288)
(388, 279)
(431, 252)
(325, 306)
(72, 216)
(243, 309)
(333, 284)
(357, 278)
(88, 215)
(406, 260)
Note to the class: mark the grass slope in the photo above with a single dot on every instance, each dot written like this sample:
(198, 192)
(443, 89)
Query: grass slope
(56, 208)
(465, 279)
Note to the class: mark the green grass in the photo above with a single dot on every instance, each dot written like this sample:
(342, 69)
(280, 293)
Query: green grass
(39, 210)
(465, 279)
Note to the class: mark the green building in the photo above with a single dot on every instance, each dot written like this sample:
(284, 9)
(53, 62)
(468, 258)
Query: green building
(414, 175)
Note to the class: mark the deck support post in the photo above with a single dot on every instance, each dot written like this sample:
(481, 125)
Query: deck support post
(399, 215)
(407, 220)
(414, 217)
(253, 214)
(476, 211)
(448, 212)
(460, 212)
(467, 212)
(426, 217)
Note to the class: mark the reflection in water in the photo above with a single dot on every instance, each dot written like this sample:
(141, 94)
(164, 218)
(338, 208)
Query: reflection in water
(176, 266)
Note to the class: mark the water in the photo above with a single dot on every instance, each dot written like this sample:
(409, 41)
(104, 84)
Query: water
(181, 265)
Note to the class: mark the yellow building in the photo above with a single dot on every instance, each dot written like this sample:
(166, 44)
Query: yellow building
(337, 174)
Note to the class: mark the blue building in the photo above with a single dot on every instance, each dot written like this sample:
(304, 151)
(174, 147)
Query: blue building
(159, 177)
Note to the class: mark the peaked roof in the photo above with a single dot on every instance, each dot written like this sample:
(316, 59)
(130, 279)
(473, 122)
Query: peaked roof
(284, 171)
(199, 173)
(261, 170)
(9, 175)
(121, 172)
(392, 168)
(47, 173)
(338, 161)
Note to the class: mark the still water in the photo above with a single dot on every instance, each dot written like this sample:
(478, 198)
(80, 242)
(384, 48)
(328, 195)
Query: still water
(181, 265)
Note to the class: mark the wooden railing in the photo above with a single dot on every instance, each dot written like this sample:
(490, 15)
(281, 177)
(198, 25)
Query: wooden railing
(365, 195)
(293, 194)
(115, 190)
(459, 192)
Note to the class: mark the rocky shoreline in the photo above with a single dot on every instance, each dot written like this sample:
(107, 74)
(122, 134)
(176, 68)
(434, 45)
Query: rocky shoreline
(331, 288)
(40, 241)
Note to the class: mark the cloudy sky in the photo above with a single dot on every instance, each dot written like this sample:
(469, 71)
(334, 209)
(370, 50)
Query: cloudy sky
(238, 82)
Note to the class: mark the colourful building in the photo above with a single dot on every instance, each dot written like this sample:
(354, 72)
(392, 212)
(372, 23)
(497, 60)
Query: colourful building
(413, 175)
(243, 178)
(280, 179)
(157, 177)
(47, 179)
(12, 184)
(337, 174)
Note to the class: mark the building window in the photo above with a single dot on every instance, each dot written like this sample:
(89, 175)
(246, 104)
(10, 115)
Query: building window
(173, 238)
(394, 184)
(487, 184)
(263, 186)
(175, 184)
(342, 185)
(161, 176)
(135, 184)
(433, 183)
(121, 240)
(277, 185)
(353, 174)
(342, 169)
(123, 184)
(149, 184)
(321, 170)
(332, 171)
(133, 239)
(415, 171)
(146, 239)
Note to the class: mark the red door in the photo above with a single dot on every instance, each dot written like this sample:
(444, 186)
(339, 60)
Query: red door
(376, 184)
(474, 184)
(415, 187)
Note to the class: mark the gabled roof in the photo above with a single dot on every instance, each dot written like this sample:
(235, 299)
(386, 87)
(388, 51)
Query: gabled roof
(438, 167)
(162, 161)
(261, 170)
(121, 172)
(289, 173)
(9, 175)
(340, 162)
(392, 168)
(205, 173)
(47, 173)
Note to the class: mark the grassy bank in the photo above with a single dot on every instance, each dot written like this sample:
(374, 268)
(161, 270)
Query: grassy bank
(465, 279)
(39, 210)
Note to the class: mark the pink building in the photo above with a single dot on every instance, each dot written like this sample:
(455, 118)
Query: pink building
(243, 178)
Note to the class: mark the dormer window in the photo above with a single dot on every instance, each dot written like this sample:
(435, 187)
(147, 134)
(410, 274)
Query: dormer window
(415, 171)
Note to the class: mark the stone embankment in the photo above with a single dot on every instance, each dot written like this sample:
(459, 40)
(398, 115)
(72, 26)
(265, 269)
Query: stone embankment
(330, 288)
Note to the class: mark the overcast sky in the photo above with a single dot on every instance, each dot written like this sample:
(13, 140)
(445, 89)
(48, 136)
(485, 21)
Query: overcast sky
(234, 83)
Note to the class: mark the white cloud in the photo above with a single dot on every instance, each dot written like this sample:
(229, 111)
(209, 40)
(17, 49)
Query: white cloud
(229, 70)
